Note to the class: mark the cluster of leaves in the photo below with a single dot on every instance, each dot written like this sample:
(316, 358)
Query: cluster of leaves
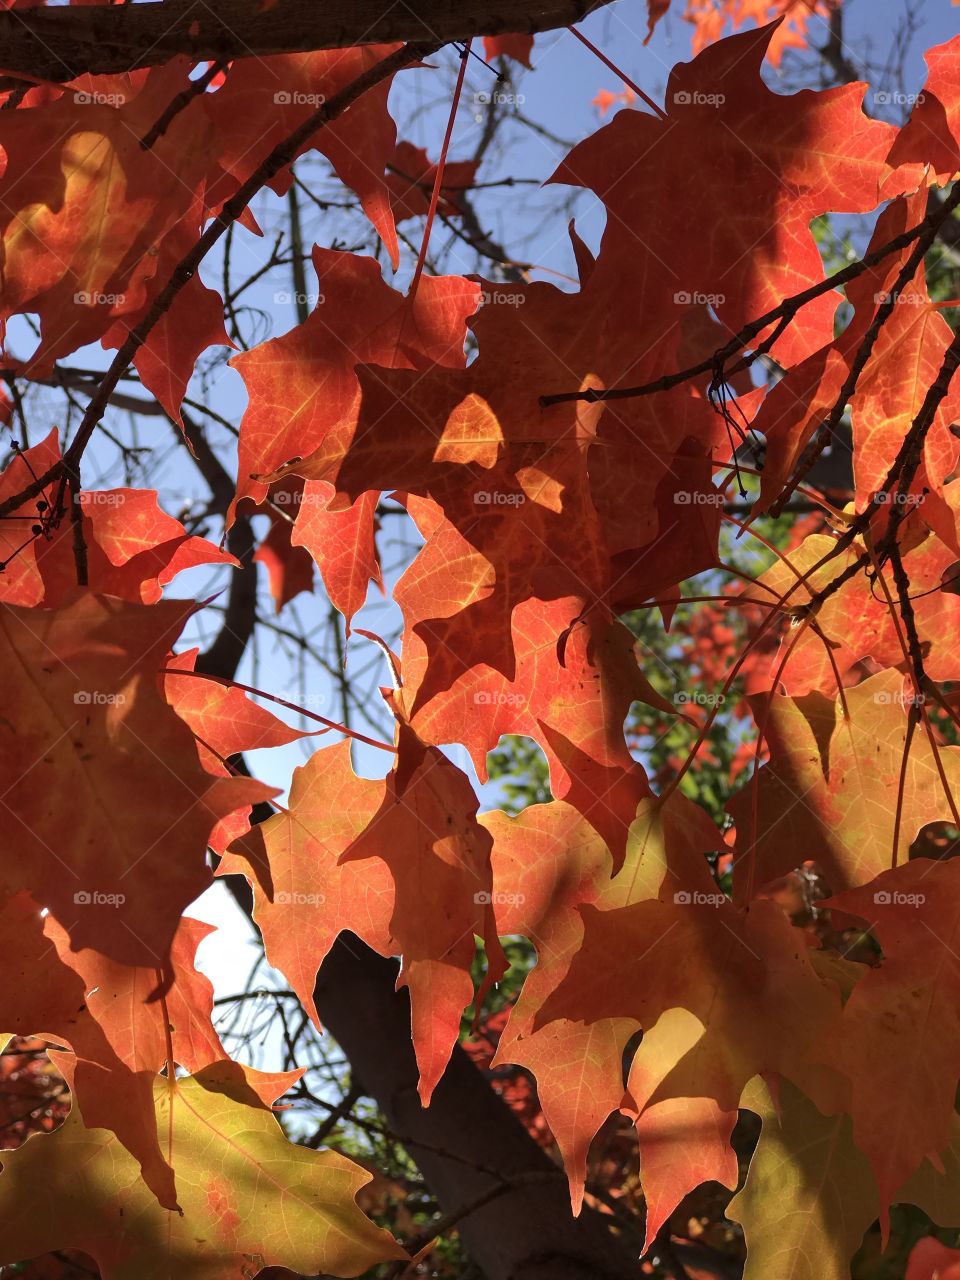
(567, 484)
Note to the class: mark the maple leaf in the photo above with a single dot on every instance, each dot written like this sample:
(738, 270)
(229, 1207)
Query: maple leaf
(605, 100)
(118, 998)
(525, 514)
(855, 622)
(289, 570)
(85, 717)
(932, 134)
(303, 384)
(575, 709)
(133, 547)
(741, 974)
(46, 996)
(403, 864)
(903, 363)
(225, 722)
(550, 869)
(518, 47)
(710, 18)
(76, 224)
(248, 1197)
(282, 92)
(303, 895)
(655, 11)
(426, 832)
(902, 1016)
(545, 862)
(412, 176)
(830, 792)
(683, 1142)
(342, 544)
(931, 1260)
(809, 1196)
(193, 322)
(799, 156)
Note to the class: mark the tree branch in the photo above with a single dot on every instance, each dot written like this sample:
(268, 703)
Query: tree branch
(62, 43)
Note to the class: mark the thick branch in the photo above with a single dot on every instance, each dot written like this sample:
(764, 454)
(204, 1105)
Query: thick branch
(467, 1142)
(465, 1134)
(62, 43)
(225, 654)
